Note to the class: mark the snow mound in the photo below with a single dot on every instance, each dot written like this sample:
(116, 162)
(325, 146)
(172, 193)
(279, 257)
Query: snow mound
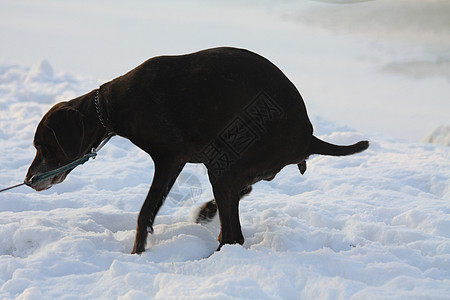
(440, 135)
(42, 72)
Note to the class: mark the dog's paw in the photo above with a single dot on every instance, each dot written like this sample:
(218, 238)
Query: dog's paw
(138, 249)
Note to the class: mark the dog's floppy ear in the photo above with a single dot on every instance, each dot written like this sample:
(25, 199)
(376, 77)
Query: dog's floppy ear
(67, 126)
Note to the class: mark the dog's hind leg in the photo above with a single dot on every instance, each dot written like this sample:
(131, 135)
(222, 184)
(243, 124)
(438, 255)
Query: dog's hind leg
(166, 172)
(227, 197)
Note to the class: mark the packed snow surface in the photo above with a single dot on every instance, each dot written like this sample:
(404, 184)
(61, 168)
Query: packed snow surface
(375, 225)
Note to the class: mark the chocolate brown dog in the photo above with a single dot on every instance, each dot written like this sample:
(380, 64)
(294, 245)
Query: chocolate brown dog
(230, 109)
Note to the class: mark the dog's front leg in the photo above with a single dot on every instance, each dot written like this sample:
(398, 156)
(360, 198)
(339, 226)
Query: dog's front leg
(166, 172)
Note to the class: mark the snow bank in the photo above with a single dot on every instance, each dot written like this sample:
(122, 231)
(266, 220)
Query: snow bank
(373, 225)
(440, 135)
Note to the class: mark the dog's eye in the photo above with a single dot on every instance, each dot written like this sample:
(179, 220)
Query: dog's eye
(44, 150)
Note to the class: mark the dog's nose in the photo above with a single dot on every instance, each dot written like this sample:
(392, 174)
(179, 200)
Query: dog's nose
(30, 180)
(27, 179)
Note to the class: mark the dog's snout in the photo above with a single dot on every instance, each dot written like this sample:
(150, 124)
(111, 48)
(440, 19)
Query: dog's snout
(27, 180)
(28, 177)
(30, 180)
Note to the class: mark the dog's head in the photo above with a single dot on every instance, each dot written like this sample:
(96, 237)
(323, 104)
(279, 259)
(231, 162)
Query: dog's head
(58, 141)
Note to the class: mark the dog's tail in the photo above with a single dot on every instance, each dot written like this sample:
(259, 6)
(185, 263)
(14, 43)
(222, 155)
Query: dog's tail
(318, 146)
(209, 209)
(207, 212)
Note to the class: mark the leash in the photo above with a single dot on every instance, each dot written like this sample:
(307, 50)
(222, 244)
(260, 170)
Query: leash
(40, 177)
(12, 187)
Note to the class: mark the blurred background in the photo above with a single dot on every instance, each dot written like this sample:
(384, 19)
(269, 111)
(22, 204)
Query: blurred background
(381, 67)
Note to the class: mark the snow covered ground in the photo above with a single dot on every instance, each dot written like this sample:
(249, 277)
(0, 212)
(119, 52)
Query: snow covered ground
(375, 225)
